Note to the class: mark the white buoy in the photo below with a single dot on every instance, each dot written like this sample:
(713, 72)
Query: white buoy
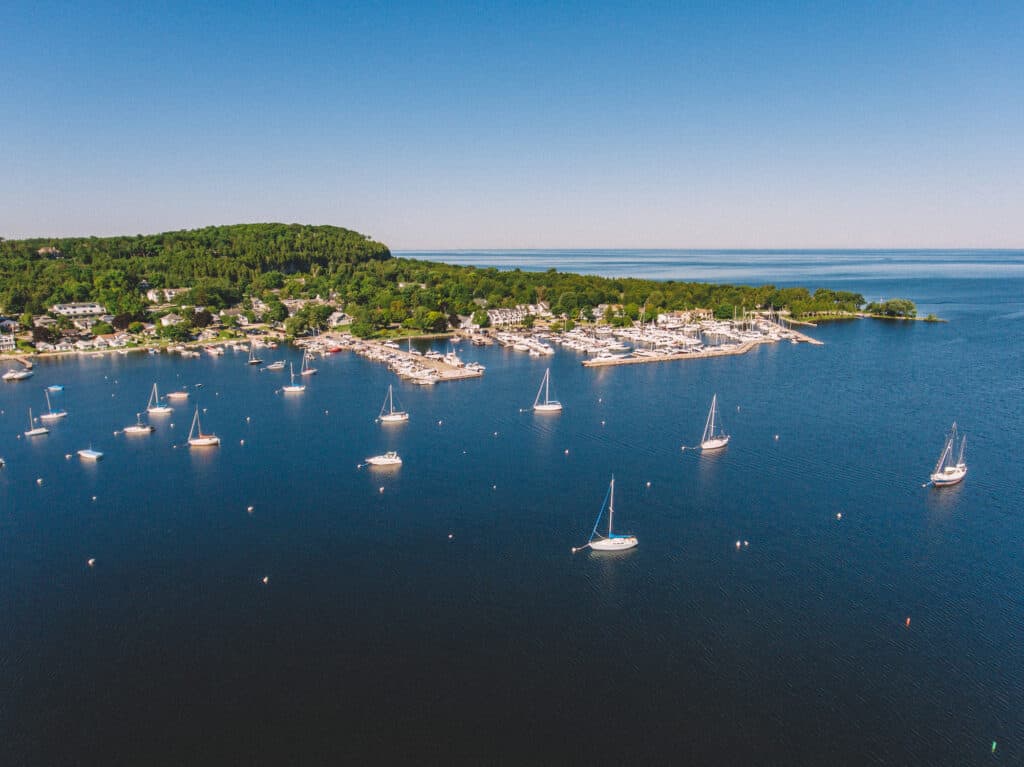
(495, 434)
(450, 536)
(382, 489)
(494, 487)
(266, 579)
(567, 451)
(67, 456)
(241, 442)
(249, 509)
(746, 543)
(839, 515)
(39, 481)
(602, 423)
(91, 562)
(738, 544)
(439, 423)
(648, 484)
(247, 419)
(94, 498)
(776, 436)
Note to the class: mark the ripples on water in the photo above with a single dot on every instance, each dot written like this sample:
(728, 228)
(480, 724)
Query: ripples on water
(378, 638)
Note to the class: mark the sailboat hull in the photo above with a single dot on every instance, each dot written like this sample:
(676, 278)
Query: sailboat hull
(204, 441)
(953, 475)
(138, 429)
(394, 418)
(55, 415)
(548, 407)
(716, 443)
(617, 543)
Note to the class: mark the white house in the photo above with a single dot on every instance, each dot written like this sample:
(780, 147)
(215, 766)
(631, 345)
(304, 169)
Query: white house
(78, 310)
(170, 319)
(7, 342)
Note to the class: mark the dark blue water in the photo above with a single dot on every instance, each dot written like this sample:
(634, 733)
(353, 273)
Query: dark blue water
(380, 639)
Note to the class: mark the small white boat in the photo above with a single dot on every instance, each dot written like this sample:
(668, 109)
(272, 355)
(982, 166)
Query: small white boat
(17, 375)
(196, 438)
(177, 395)
(88, 454)
(388, 414)
(306, 369)
(293, 388)
(612, 541)
(279, 365)
(714, 438)
(153, 407)
(33, 430)
(389, 458)
(55, 387)
(51, 414)
(139, 427)
(547, 405)
(947, 471)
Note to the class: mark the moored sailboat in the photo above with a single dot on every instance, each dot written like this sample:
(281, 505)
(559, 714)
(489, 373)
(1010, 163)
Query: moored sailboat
(139, 427)
(293, 388)
(948, 471)
(547, 405)
(388, 414)
(33, 430)
(306, 369)
(612, 541)
(196, 438)
(714, 437)
(153, 407)
(51, 414)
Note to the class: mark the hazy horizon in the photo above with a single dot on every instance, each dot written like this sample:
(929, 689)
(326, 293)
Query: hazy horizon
(519, 125)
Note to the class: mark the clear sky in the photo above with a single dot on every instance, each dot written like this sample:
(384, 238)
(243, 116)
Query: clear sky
(503, 125)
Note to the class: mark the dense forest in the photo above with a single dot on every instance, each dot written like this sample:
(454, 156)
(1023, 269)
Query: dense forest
(228, 265)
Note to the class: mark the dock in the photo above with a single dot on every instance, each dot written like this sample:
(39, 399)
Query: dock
(703, 354)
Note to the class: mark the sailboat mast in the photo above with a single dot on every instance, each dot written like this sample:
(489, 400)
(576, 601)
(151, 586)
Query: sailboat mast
(611, 506)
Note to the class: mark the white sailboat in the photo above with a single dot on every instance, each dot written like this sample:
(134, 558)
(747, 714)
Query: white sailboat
(177, 395)
(389, 458)
(714, 438)
(139, 427)
(88, 454)
(306, 369)
(548, 405)
(613, 541)
(388, 414)
(196, 438)
(51, 414)
(253, 359)
(947, 471)
(33, 430)
(153, 407)
(293, 388)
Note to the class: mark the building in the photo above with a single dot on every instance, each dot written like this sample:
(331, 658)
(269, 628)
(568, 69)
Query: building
(163, 295)
(170, 319)
(7, 342)
(78, 310)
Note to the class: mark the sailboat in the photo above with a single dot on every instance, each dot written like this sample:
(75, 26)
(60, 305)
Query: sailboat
(548, 405)
(34, 431)
(714, 437)
(293, 388)
(306, 369)
(947, 471)
(253, 359)
(196, 438)
(612, 541)
(388, 414)
(139, 427)
(153, 407)
(51, 414)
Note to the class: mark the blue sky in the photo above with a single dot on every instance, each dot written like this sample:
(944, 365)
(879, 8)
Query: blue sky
(475, 125)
